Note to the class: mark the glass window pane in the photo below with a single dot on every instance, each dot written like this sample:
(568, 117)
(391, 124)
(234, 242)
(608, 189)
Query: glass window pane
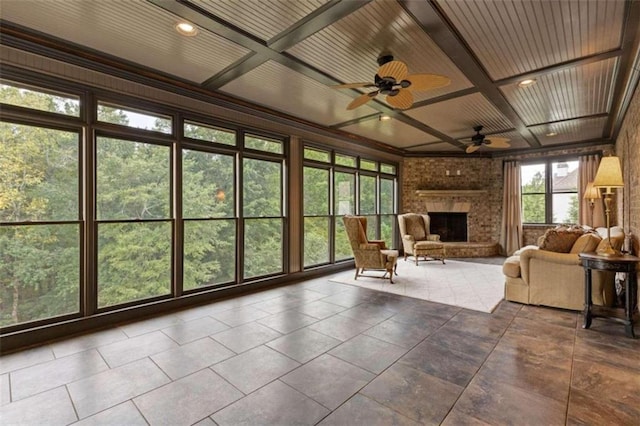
(263, 245)
(39, 173)
(388, 229)
(316, 191)
(345, 160)
(262, 188)
(132, 181)
(372, 227)
(344, 195)
(262, 144)
(39, 272)
(367, 195)
(137, 119)
(207, 184)
(565, 208)
(565, 176)
(209, 252)
(533, 178)
(39, 99)
(134, 261)
(316, 154)
(316, 240)
(203, 132)
(386, 196)
(533, 208)
(342, 245)
(368, 165)
(388, 169)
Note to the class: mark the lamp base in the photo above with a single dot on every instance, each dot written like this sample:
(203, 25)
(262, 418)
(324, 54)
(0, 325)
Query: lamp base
(608, 251)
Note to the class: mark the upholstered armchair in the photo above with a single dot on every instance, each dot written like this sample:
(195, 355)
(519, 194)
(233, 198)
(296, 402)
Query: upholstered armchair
(369, 254)
(416, 239)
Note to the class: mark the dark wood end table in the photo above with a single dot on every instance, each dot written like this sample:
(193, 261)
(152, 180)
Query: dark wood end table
(623, 263)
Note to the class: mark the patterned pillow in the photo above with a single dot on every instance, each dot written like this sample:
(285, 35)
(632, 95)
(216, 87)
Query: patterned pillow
(560, 241)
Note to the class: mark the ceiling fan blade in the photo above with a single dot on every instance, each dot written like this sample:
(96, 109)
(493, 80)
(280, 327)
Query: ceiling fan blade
(352, 85)
(395, 69)
(403, 100)
(497, 142)
(472, 148)
(361, 100)
(427, 81)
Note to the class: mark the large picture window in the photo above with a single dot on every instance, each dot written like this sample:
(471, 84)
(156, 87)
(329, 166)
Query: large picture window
(550, 192)
(356, 190)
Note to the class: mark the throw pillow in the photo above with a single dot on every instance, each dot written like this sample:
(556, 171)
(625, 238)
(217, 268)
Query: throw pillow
(560, 241)
(586, 243)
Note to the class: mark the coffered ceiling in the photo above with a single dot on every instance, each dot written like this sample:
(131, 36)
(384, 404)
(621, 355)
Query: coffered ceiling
(285, 56)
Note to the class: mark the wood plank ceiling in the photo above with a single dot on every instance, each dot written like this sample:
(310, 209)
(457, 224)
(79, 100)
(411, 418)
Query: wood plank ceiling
(284, 55)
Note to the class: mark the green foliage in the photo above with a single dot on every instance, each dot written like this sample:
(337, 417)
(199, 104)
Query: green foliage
(533, 206)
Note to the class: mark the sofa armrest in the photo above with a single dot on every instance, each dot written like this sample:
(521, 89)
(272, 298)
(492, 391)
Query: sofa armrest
(550, 257)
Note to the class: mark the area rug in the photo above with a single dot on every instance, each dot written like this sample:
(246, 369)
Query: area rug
(475, 286)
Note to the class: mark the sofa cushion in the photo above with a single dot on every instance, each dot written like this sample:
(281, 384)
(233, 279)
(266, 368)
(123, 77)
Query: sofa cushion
(616, 243)
(511, 266)
(586, 243)
(560, 240)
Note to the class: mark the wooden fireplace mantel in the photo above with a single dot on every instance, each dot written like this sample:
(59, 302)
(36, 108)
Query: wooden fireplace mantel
(450, 192)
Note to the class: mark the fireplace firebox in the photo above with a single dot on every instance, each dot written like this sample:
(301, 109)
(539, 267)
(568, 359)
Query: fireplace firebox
(452, 227)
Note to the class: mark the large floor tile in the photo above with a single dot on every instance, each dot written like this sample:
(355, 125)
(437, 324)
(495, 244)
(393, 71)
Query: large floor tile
(320, 309)
(255, 368)
(417, 395)
(240, 315)
(123, 414)
(453, 366)
(362, 411)
(274, 404)
(400, 334)
(88, 341)
(474, 346)
(607, 381)
(369, 353)
(593, 409)
(287, 321)
(5, 389)
(189, 331)
(41, 377)
(340, 327)
(52, 407)
(497, 403)
(187, 400)
(328, 380)
(189, 358)
(369, 313)
(152, 324)
(26, 358)
(112, 387)
(135, 348)
(247, 336)
(303, 345)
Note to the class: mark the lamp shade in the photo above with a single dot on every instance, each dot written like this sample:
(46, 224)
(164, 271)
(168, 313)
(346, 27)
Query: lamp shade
(609, 173)
(591, 192)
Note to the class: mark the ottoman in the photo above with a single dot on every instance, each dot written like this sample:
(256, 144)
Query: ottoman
(430, 250)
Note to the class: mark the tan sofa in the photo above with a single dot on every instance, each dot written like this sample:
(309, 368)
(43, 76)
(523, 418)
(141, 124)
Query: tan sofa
(540, 277)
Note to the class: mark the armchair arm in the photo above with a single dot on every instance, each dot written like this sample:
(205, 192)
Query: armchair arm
(370, 246)
(433, 237)
(380, 243)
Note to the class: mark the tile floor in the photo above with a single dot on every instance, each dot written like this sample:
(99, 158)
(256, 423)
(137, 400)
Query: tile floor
(320, 352)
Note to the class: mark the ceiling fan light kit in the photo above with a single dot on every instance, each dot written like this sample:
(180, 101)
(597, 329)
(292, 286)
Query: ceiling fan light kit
(393, 81)
(478, 140)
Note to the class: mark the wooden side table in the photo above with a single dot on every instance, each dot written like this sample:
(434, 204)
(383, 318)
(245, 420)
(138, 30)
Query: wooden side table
(622, 263)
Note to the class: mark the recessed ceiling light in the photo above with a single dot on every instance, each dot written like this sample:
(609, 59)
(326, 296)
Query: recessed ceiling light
(385, 118)
(186, 29)
(551, 134)
(527, 82)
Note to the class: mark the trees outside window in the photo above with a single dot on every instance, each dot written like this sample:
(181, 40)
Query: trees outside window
(550, 192)
(40, 226)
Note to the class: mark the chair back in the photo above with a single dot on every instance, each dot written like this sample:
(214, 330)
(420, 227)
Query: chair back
(355, 227)
(416, 225)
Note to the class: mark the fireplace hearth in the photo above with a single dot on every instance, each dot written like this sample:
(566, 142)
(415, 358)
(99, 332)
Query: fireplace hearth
(452, 227)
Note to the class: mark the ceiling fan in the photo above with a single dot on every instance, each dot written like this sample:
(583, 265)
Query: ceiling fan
(393, 80)
(479, 139)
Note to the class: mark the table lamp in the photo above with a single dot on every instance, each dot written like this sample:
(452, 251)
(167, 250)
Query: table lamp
(592, 194)
(608, 176)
